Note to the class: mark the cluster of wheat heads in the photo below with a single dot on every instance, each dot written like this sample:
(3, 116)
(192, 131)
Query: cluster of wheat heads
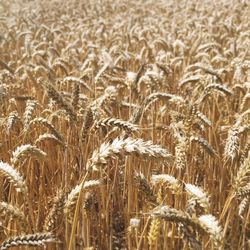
(124, 124)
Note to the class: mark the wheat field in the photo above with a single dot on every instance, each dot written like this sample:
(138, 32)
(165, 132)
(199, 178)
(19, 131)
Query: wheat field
(124, 124)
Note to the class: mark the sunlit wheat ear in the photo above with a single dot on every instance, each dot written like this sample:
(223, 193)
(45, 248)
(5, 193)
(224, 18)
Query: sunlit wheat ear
(231, 149)
(204, 143)
(232, 144)
(37, 239)
(13, 176)
(125, 146)
(30, 106)
(241, 183)
(12, 119)
(168, 180)
(48, 125)
(144, 188)
(192, 79)
(51, 137)
(73, 195)
(180, 153)
(198, 194)
(55, 212)
(212, 227)
(27, 150)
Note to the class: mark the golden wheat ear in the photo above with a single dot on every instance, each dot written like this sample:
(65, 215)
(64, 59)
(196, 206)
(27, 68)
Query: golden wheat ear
(121, 146)
(30, 107)
(72, 197)
(47, 124)
(118, 123)
(203, 224)
(55, 212)
(144, 188)
(13, 176)
(27, 150)
(12, 120)
(13, 212)
(57, 97)
(241, 184)
(198, 194)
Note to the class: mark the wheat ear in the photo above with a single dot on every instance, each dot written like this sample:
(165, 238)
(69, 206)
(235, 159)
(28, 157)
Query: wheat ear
(24, 150)
(57, 97)
(113, 122)
(37, 239)
(13, 176)
(48, 125)
(125, 146)
(144, 188)
(55, 212)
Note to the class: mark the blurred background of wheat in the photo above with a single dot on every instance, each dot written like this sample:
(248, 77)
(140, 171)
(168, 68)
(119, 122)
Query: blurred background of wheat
(124, 124)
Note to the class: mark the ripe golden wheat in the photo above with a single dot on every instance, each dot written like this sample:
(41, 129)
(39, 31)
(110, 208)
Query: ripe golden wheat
(125, 124)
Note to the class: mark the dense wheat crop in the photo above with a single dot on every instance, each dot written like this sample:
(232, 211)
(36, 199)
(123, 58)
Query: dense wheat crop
(124, 124)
